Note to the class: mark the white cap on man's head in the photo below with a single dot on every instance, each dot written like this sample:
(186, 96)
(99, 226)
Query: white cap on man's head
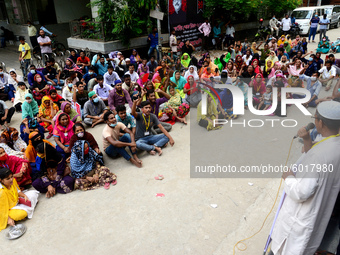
(329, 110)
(127, 59)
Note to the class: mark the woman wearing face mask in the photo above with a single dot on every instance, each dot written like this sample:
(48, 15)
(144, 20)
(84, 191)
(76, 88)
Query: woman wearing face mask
(323, 46)
(11, 209)
(20, 168)
(67, 93)
(81, 134)
(30, 107)
(53, 173)
(40, 88)
(63, 131)
(86, 168)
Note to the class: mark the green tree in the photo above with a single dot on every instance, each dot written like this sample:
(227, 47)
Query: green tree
(124, 20)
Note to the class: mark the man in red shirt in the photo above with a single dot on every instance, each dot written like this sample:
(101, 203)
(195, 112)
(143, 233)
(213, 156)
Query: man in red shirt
(83, 62)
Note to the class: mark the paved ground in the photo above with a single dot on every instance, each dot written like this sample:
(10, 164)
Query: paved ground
(129, 219)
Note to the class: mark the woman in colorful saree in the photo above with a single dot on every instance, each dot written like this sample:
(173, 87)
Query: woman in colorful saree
(174, 107)
(11, 209)
(20, 168)
(87, 167)
(53, 173)
(63, 131)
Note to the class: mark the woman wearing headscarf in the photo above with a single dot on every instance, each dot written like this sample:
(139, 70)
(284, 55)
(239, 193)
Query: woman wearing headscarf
(185, 60)
(20, 168)
(259, 87)
(40, 88)
(193, 95)
(336, 45)
(281, 41)
(15, 78)
(11, 152)
(256, 64)
(19, 98)
(62, 132)
(254, 48)
(174, 108)
(34, 139)
(272, 57)
(268, 68)
(12, 138)
(276, 67)
(86, 168)
(70, 66)
(135, 59)
(192, 71)
(66, 107)
(201, 61)
(53, 173)
(239, 63)
(179, 81)
(47, 111)
(29, 125)
(323, 46)
(11, 209)
(30, 107)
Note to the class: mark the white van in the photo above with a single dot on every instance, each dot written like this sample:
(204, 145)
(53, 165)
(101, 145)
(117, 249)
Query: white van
(303, 16)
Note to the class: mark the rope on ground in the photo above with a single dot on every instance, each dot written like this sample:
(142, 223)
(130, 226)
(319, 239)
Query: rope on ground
(277, 195)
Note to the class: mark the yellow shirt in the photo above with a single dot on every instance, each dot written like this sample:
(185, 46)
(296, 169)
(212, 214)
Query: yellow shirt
(23, 49)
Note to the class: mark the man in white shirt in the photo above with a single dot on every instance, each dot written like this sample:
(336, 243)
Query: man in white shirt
(310, 194)
(328, 72)
(173, 44)
(205, 29)
(110, 76)
(273, 24)
(32, 33)
(286, 24)
(324, 22)
(133, 75)
(102, 90)
(229, 34)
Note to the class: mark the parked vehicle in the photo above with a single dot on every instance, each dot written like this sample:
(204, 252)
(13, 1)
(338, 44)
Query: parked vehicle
(262, 33)
(303, 16)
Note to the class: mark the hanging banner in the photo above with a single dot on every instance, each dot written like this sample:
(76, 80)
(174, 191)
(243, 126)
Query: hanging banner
(185, 16)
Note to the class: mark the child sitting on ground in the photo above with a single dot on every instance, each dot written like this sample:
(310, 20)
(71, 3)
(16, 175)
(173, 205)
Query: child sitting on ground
(266, 98)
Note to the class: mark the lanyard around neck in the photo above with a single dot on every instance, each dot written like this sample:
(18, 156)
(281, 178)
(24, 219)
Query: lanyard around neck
(146, 124)
(325, 139)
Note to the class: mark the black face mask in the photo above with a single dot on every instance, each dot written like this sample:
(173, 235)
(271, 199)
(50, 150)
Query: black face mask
(35, 142)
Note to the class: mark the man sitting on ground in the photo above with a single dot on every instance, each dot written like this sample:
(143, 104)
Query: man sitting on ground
(94, 110)
(125, 118)
(110, 76)
(80, 95)
(119, 96)
(102, 90)
(145, 140)
(133, 75)
(114, 145)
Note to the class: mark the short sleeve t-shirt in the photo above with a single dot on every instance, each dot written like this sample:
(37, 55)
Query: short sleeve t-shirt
(142, 122)
(51, 74)
(82, 98)
(25, 48)
(113, 132)
(84, 60)
(47, 48)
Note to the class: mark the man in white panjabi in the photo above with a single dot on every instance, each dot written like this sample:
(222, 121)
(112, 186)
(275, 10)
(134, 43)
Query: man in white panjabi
(310, 196)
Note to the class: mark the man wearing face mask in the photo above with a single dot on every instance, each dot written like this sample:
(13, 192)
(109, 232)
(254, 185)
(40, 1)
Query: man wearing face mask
(313, 85)
(32, 73)
(94, 110)
(114, 145)
(314, 22)
(324, 22)
(273, 24)
(90, 75)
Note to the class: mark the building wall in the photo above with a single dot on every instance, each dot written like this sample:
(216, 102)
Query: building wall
(67, 10)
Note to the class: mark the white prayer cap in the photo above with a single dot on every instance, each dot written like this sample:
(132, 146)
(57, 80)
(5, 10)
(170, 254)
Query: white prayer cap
(127, 59)
(329, 110)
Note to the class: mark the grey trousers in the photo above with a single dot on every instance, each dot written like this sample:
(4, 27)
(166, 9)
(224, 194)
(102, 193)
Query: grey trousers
(322, 33)
(156, 130)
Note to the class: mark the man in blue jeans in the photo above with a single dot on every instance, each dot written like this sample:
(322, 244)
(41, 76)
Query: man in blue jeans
(145, 140)
(114, 145)
(314, 22)
(153, 40)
